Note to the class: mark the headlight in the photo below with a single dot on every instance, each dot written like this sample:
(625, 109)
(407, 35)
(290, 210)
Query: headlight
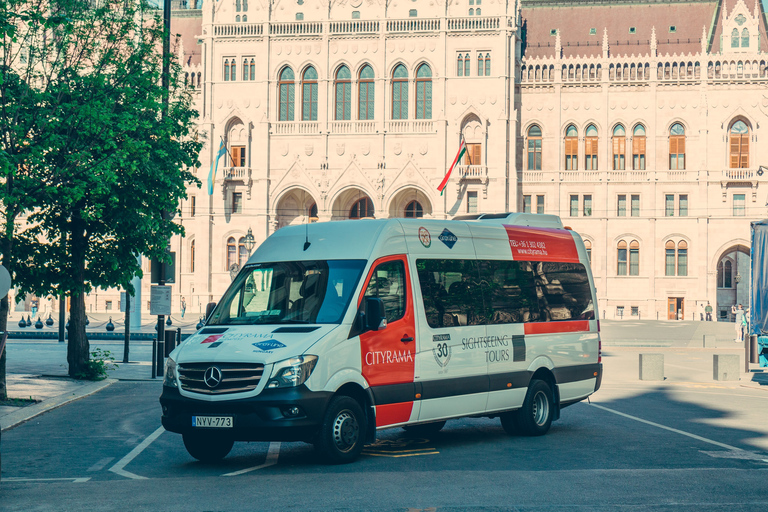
(292, 372)
(170, 373)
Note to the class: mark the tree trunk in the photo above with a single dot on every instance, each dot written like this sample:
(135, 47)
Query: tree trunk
(78, 348)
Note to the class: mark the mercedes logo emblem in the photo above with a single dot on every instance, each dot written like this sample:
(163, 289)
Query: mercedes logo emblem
(212, 377)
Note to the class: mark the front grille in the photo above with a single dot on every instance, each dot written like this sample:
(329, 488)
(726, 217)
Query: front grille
(235, 377)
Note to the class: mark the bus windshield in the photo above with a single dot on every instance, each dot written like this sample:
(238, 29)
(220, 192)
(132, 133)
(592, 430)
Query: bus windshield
(292, 292)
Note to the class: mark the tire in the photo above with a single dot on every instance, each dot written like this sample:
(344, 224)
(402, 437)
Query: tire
(509, 423)
(425, 429)
(535, 416)
(207, 448)
(342, 433)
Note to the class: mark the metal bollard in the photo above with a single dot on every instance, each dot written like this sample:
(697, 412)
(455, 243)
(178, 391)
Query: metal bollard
(160, 358)
(178, 336)
(753, 356)
(170, 340)
(154, 358)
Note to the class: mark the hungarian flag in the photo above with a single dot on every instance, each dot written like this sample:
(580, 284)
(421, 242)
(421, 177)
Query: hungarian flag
(215, 167)
(462, 150)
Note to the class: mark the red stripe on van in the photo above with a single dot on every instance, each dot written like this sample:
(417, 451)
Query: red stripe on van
(542, 244)
(555, 327)
(390, 414)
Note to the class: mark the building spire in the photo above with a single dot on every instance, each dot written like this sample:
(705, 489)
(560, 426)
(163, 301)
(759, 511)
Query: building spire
(558, 46)
(703, 39)
(654, 53)
(605, 43)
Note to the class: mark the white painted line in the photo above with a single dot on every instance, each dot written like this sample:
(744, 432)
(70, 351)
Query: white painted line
(118, 468)
(73, 480)
(274, 451)
(676, 431)
(101, 464)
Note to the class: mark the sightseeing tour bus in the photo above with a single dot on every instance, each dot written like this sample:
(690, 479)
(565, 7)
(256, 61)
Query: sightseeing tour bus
(335, 330)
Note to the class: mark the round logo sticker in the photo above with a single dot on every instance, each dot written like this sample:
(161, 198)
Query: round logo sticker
(424, 237)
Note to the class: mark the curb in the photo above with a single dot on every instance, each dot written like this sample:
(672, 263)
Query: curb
(27, 413)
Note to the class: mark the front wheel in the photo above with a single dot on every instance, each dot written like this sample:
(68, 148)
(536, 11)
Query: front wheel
(207, 448)
(535, 416)
(342, 432)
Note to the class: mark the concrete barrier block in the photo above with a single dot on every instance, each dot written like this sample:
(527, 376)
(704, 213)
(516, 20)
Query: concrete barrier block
(709, 340)
(651, 366)
(725, 367)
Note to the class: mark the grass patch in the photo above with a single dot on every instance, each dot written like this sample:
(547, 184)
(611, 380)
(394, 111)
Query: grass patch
(18, 402)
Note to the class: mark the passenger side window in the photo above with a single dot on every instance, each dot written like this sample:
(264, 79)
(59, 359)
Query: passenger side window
(388, 284)
(451, 292)
(508, 287)
(563, 291)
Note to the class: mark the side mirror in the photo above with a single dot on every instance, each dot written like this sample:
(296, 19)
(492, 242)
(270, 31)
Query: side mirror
(374, 314)
(209, 309)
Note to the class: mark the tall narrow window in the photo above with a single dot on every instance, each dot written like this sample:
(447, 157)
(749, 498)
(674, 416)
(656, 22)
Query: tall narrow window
(424, 92)
(526, 204)
(237, 202)
(621, 206)
(366, 88)
(472, 201)
(669, 258)
(309, 95)
(400, 93)
(487, 64)
(590, 148)
(534, 148)
(669, 205)
(242, 252)
(192, 206)
(571, 148)
(619, 147)
(638, 148)
(253, 69)
(343, 87)
(587, 205)
(682, 258)
(635, 212)
(467, 64)
(238, 156)
(237, 5)
(739, 145)
(245, 69)
(621, 257)
(682, 210)
(414, 210)
(724, 274)
(287, 94)
(539, 204)
(460, 65)
(233, 71)
(474, 154)
(480, 64)
(361, 209)
(231, 252)
(574, 206)
(226, 70)
(745, 38)
(588, 247)
(634, 258)
(677, 147)
(192, 256)
(735, 38)
(739, 209)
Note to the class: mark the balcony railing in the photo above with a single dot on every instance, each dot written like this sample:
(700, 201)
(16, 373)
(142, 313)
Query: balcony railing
(411, 126)
(299, 28)
(236, 173)
(413, 25)
(472, 171)
(474, 23)
(353, 27)
(739, 174)
(239, 29)
(295, 128)
(353, 127)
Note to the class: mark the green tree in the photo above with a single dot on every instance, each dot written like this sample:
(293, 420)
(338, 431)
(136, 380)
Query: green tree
(89, 147)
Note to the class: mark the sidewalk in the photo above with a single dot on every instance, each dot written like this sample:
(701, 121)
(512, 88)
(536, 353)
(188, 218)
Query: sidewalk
(37, 368)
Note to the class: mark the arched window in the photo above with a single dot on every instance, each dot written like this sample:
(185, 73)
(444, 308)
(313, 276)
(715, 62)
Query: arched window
(414, 210)
(735, 38)
(343, 87)
(725, 274)
(237, 5)
(669, 258)
(638, 148)
(634, 258)
(233, 71)
(739, 145)
(245, 69)
(677, 147)
(365, 93)
(487, 64)
(309, 95)
(590, 148)
(619, 144)
(534, 148)
(745, 38)
(237, 19)
(231, 252)
(253, 69)
(226, 70)
(682, 258)
(460, 65)
(192, 256)
(361, 209)
(245, 18)
(312, 213)
(242, 252)
(480, 64)
(424, 92)
(621, 263)
(471, 12)
(588, 247)
(571, 148)
(400, 93)
(245, 6)
(287, 94)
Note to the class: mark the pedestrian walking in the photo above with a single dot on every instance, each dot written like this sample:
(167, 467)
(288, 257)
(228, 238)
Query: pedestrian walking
(183, 307)
(708, 311)
(741, 322)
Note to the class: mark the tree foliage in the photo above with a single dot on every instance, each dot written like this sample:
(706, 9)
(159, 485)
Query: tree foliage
(89, 157)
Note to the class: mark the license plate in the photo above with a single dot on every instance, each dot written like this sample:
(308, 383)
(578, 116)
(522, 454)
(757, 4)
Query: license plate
(212, 421)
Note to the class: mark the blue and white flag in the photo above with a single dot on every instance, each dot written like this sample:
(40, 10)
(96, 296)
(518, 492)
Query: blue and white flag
(215, 167)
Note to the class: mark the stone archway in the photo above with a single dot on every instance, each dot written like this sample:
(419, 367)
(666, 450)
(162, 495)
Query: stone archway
(353, 203)
(296, 206)
(410, 202)
(733, 269)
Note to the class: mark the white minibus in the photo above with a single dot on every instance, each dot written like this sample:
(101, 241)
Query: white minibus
(335, 330)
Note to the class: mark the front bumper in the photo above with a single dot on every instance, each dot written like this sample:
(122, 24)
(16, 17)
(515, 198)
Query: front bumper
(260, 418)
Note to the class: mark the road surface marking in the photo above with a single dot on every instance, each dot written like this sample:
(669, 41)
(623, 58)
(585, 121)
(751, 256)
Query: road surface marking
(271, 460)
(681, 432)
(73, 480)
(101, 464)
(118, 468)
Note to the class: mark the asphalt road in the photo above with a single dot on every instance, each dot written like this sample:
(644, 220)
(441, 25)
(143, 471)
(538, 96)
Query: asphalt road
(638, 446)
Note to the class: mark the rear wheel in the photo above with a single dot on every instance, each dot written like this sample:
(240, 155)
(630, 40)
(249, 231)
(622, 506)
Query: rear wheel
(425, 429)
(207, 447)
(342, 433)
(535, 416)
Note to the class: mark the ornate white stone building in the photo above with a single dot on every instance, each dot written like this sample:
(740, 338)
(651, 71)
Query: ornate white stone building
(638, 122)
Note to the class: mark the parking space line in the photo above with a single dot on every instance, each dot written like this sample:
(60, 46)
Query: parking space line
(118, 468)
(272, 454)
(101, 464)
(73, 480)
(681, 432)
